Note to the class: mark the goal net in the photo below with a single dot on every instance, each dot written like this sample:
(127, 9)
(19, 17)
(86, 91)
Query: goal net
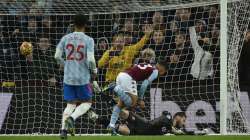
(186, 33)
(238, 25)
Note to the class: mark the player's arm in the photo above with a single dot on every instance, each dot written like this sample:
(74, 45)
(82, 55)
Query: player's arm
(138, 118)
(147, 82)
(92, 64)
(176, 131)
(103, 62)
(91, 57)
(194, 39)
(135, 48)
(59, 52)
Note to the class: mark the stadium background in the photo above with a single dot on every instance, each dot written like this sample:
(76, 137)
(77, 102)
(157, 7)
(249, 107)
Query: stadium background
(36, 105)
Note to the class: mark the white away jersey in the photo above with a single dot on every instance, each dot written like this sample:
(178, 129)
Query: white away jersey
(76, 47)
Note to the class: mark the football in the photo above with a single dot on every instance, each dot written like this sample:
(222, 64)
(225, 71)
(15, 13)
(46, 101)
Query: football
(26, 48)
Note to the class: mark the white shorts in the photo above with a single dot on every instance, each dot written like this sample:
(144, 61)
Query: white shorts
(127, 83)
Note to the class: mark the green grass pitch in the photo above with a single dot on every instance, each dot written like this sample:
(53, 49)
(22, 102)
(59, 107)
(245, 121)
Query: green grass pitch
(127, 138)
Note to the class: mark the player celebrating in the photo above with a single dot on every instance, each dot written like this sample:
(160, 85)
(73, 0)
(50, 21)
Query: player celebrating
(126, 87)
(79, 66)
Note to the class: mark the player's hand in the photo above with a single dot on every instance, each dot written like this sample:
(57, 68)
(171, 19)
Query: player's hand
(52, 81)
(148, 29)
(141, 104)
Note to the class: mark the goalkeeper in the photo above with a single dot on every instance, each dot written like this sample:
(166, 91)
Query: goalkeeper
(120, 57)
(134, 124)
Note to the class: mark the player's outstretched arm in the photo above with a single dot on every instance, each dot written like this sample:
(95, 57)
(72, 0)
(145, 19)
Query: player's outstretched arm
(134, 49)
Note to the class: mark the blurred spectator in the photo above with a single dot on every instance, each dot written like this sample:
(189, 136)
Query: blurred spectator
(215, 34)
(44, 65)
(202, 67)
(200, 27)
(48, 26)
(158, 21)
(157, 43)
(116, 19)
(214, 15)
(45, 3)
(129, 30)
(172, 28)
(128, 25)
(244, 65)
(35, 9)
(102, 46)
(180, 56)
(32, 25)
(185, 19)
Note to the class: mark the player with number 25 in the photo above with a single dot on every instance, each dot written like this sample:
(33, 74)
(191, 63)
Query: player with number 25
(79, 68)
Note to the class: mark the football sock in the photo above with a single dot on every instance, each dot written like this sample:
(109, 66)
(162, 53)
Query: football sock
(66, 113)
(114, 116)
(123, 96)
(80, 110)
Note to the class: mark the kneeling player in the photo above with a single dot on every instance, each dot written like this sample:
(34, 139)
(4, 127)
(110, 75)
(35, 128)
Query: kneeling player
(126, 87)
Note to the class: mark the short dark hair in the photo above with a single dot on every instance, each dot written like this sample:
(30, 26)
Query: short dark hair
(80, 20)
(180, 114)
(164, 62)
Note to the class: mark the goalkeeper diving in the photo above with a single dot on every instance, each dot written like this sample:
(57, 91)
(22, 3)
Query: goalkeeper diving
(79, 68)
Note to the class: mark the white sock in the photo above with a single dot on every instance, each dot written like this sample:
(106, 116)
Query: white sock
(67, 112)
(80, 110)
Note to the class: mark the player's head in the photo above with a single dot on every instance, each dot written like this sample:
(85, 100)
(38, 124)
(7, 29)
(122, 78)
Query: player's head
(179, 120)
(80, 21)
(162, 66)
(148, 55)
(119, 41)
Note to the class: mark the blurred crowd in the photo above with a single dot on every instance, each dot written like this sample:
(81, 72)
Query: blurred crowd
(170, 39)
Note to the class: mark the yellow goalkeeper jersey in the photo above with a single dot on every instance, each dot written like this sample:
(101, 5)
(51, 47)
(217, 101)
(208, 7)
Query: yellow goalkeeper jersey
(116, 64)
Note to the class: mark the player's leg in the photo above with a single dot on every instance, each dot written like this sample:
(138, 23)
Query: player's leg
(126, 89)
(114, 117)
(84, 95)
(124, 114)
(69, 97)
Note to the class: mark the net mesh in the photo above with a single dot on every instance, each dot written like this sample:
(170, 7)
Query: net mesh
(192, 84)
(238, 22)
